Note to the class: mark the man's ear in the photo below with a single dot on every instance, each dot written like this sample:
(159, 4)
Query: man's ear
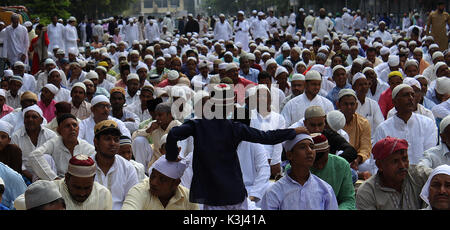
(378, 164)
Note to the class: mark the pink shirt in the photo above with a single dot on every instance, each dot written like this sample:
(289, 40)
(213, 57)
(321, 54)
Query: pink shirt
(48, 111)
(5, 110)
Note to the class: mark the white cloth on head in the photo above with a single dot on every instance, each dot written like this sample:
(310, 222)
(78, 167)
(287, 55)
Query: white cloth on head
(52, 88)
(443, 169)
(33, 108)
(173, 170)
(6, 127)
(98, 99)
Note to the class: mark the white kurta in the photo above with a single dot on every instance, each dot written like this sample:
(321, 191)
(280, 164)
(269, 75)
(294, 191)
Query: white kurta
(15, 43)
(294, 110)
(131, 33)
(419, 131)
(152, 32)
(87, 129)
(273, 121)
(99, 199)
(372, 112)
(381, 87)
(168, 22)
(385, 36)
(348, 22)
(222, 31)
(56, 36)
(120, 178)
(136, 109)
(98, 31)
(321, 26)
(260, 29)
(274, 24)
(339, 24)
(71, 37)
(60, 154)
(255, 168)
(242, 34)
(420, 110)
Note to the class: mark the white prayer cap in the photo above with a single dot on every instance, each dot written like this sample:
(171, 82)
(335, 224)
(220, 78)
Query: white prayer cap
(27, 24)
(314, 111)
(382, 22)
(393, 60)
(377, 44)
(433, 46)
(8, 73)
(285, 47)
(19, 63)
(33, 108)
(231, 66)
(192, 59)
(161, 59)
(384, 50)
(174, 170)
(6, 127)
(344, 47)
(251, 57)
(79, 84)
(101, 68)
(420, 76)
(130, 20)
(357, 76)
(281, 70)
(141, 66)
(412, 82)
(73, 50)
(301, 10)
(323, 48)
(254, 11)
(402, 43)
(311, 11)
(412, 43)
(72, 19)
(223, 66)
(98, 99)
(167, 55)
(91, 75)
(298, 77)
(265, 54)
(319, 68)
(439, 65)
(347, 92)
(173, 75)
(418, 49)
(398, 88)
(221, 15)
(132, 76)
(52, 88)
(437, 54)
(148, 56)
(336, 120)
(444, 124)
(61, 51)
(359, 61)
(260, 13)
(367, 69)
(202, 64)
(354, 48)
(338, 67)
(411, 62)
(443, 85)
(313, 75)
(289, 144)
(3, 93)
(443, 169)
(41, 192)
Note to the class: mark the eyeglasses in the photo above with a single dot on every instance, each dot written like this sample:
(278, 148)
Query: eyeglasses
(102, 106)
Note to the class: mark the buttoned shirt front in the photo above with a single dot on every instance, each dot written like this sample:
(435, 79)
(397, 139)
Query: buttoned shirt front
(82, 112)
(436, 156)
(86, 131)
(294, 110)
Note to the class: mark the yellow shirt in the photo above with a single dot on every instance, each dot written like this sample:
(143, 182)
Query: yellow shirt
(139, 198)
(360, 138)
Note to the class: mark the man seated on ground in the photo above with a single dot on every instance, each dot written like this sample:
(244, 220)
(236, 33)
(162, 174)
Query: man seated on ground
(62, 107)
(118, 100)
(79, 106)
(44, 195)
(439, 155)
(10, 154)
(126, 152)
(436, 191)
(335, 171)
(397, 185)
(162, 191)
(300, 189)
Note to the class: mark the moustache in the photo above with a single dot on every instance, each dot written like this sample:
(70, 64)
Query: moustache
(402, 170)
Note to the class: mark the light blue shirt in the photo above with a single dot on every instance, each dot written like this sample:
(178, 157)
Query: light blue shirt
(252, 75)
(288, 194)
(334, 93)
(14, 185)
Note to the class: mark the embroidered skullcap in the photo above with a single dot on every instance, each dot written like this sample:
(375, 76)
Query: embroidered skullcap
(41, 192)
(8, 73)
(16, 78)
(174, 170)
(314, 111)
(28, 95)
(384, 50)
(388, 145)
(289, 144)
(132, 76)
(320, 141)
(173, 75)
(336, 120)
(367, 69)
(52, 88)
(34, 108)
(393, 60)
(91, 75)
(338, 67)
(398, 88)
(101, 68)
(231, 66)
(118, 90)
(439, 65)
(281, 70)
(125, 140)
(437, 54)
(81, 165)
(105, 125)
(49, 61)
(19, 63)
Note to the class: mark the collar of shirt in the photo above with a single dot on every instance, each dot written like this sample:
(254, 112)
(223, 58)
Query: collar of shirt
(23, 131)
(445, 150)
(291, 180)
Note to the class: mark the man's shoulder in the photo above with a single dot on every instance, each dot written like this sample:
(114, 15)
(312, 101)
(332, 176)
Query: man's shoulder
(340, 161)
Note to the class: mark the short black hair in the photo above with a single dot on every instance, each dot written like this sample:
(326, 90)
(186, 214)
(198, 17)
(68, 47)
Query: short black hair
(371, 49)
(151, 104)
(113, 132)
(65, 116)
(264, 75)
(2, 189)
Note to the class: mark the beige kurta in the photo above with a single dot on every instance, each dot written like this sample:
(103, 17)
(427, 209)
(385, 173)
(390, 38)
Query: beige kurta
(438, 22)
(139, 198)
(99, 199)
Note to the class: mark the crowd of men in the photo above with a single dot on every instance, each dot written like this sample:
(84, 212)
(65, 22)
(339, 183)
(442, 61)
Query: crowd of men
(254, 112)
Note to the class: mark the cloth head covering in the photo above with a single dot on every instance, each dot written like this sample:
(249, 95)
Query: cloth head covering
(3, 93)
(6, 127)
(33, 108)
(411, 62)
(338, 67)
(41, 192)
(444, 123)
(314, 111)
(313, 75)
(319, 68)
(105, 125)
(222, 92)
(52, 88)
(49, 61)
(2, 182)
(358, 76)
(125, 140)
(16, 78)
(281, 70)
(132, 76)
(346, 92)
(437, 54)
(231, 66)
(398, 88)
(28, 95)
(99, 98)
(81, 165)
(8, 73)
(443, 169)
(320, 141)
(173, 75)
(79, 84)
(53, 70)
(102, 69)
(92, 75)
(439, 65)
(336, 120)
(384, 50)
(19, 63)
(443, 85)
(395, 73)
(174, 170)
(118, 90)
(388, 145)
(367, 69)
(289, 144)
(412, 82)
(298, 77)
(223, 66)
(393, 60)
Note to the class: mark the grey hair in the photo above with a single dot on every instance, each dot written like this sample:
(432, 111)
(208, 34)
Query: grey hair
(165, 107)
(15, 16)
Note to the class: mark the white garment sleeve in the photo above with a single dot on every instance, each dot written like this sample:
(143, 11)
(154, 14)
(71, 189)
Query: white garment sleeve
(262, 167)
(39, 164)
